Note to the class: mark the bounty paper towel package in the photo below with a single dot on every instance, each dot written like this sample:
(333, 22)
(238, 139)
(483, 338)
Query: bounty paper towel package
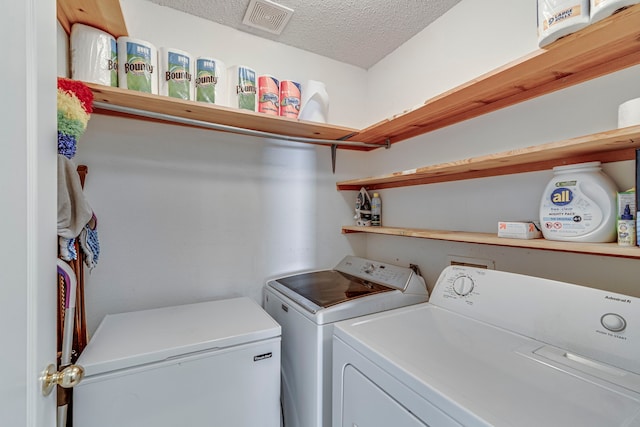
(94, 55)
(600, 9)
(557, 18)
(242, 87)
(176, 73)
(137, 65)
(210, 83)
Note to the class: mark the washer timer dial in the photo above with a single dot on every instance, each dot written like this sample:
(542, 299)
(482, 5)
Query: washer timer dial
(463, 285)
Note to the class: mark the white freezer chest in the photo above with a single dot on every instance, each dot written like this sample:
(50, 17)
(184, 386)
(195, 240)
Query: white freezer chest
(210, 363)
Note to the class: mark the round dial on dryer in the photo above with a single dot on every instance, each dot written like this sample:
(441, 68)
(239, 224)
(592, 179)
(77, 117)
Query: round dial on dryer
(463, 285)
(613, 322)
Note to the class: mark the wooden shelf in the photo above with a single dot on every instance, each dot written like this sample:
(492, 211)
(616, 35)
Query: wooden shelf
(614, 145)
(607, 46)
(604, 249)
(212, 114)
(103, 14)
(604, 47)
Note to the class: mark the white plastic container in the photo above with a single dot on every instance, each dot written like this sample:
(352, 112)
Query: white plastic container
(579, 204)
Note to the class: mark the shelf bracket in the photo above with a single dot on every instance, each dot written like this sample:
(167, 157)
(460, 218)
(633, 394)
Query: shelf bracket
(334, 153)
(387, 143)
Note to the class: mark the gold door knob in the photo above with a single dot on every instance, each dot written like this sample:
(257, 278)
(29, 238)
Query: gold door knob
(67, 378)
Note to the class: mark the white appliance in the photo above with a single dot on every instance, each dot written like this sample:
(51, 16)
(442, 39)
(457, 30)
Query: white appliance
(492, 349)
(307, 305)
(214, 363)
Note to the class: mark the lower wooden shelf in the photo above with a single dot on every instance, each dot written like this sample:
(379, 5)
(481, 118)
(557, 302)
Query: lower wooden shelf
(604, 249)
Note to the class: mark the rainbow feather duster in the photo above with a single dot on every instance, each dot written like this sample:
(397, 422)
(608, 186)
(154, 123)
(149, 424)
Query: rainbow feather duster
(75, 105)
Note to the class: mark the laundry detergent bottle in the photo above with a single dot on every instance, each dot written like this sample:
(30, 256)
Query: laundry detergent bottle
(579, 205)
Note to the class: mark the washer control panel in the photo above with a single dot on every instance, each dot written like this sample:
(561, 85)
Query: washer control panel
(463, 285)
(594, 323)
(385, 274)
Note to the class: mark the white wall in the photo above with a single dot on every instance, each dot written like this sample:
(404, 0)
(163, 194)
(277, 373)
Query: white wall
(187, 214)
(466, 42)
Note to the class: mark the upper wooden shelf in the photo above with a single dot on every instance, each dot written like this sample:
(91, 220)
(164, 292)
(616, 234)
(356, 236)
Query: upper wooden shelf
(604, 47)
(610, 146)
(601, 48)
(210, 113)
(604, 249)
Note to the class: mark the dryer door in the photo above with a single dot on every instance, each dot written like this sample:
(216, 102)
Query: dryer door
(365, 404)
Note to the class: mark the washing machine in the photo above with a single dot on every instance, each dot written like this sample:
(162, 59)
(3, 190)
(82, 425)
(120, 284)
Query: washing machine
(307, 304)
(492, 348)
(212, 363)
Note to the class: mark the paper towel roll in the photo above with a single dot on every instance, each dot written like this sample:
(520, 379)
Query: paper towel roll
(94, 55)
(176, 73)
(629, 113)
(557, 18)
(600, 9)
(315, 102)
(211, 81)
(268, 95)
(242, 87)
(137, 65)
(290, 94)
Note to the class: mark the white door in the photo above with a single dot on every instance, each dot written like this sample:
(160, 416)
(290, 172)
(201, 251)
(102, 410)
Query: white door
(27, 210)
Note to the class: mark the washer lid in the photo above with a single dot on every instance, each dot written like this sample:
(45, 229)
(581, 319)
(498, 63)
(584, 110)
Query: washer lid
(326, 288)
(141, 337)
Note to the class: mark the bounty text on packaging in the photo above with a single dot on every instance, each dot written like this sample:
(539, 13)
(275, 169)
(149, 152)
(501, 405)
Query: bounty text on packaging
(209, 81)
(137, 65)
(579, 204)
(242, 92)
(269, 95)
(176, 73)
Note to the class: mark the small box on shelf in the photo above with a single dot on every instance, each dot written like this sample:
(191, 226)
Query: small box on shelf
(519, 229)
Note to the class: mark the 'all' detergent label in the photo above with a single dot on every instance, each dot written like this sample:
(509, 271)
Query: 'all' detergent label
(567, 211)
(138, 68)
(178, 75)
(269, 95)
(206, 80)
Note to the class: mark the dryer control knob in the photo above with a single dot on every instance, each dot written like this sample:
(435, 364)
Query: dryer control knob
(463, 285)
(613, 322)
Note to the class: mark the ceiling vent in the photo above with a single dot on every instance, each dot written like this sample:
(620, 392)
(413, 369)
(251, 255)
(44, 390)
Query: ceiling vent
(267, 16)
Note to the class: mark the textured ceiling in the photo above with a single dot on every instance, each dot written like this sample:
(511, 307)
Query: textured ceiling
(357, 32)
